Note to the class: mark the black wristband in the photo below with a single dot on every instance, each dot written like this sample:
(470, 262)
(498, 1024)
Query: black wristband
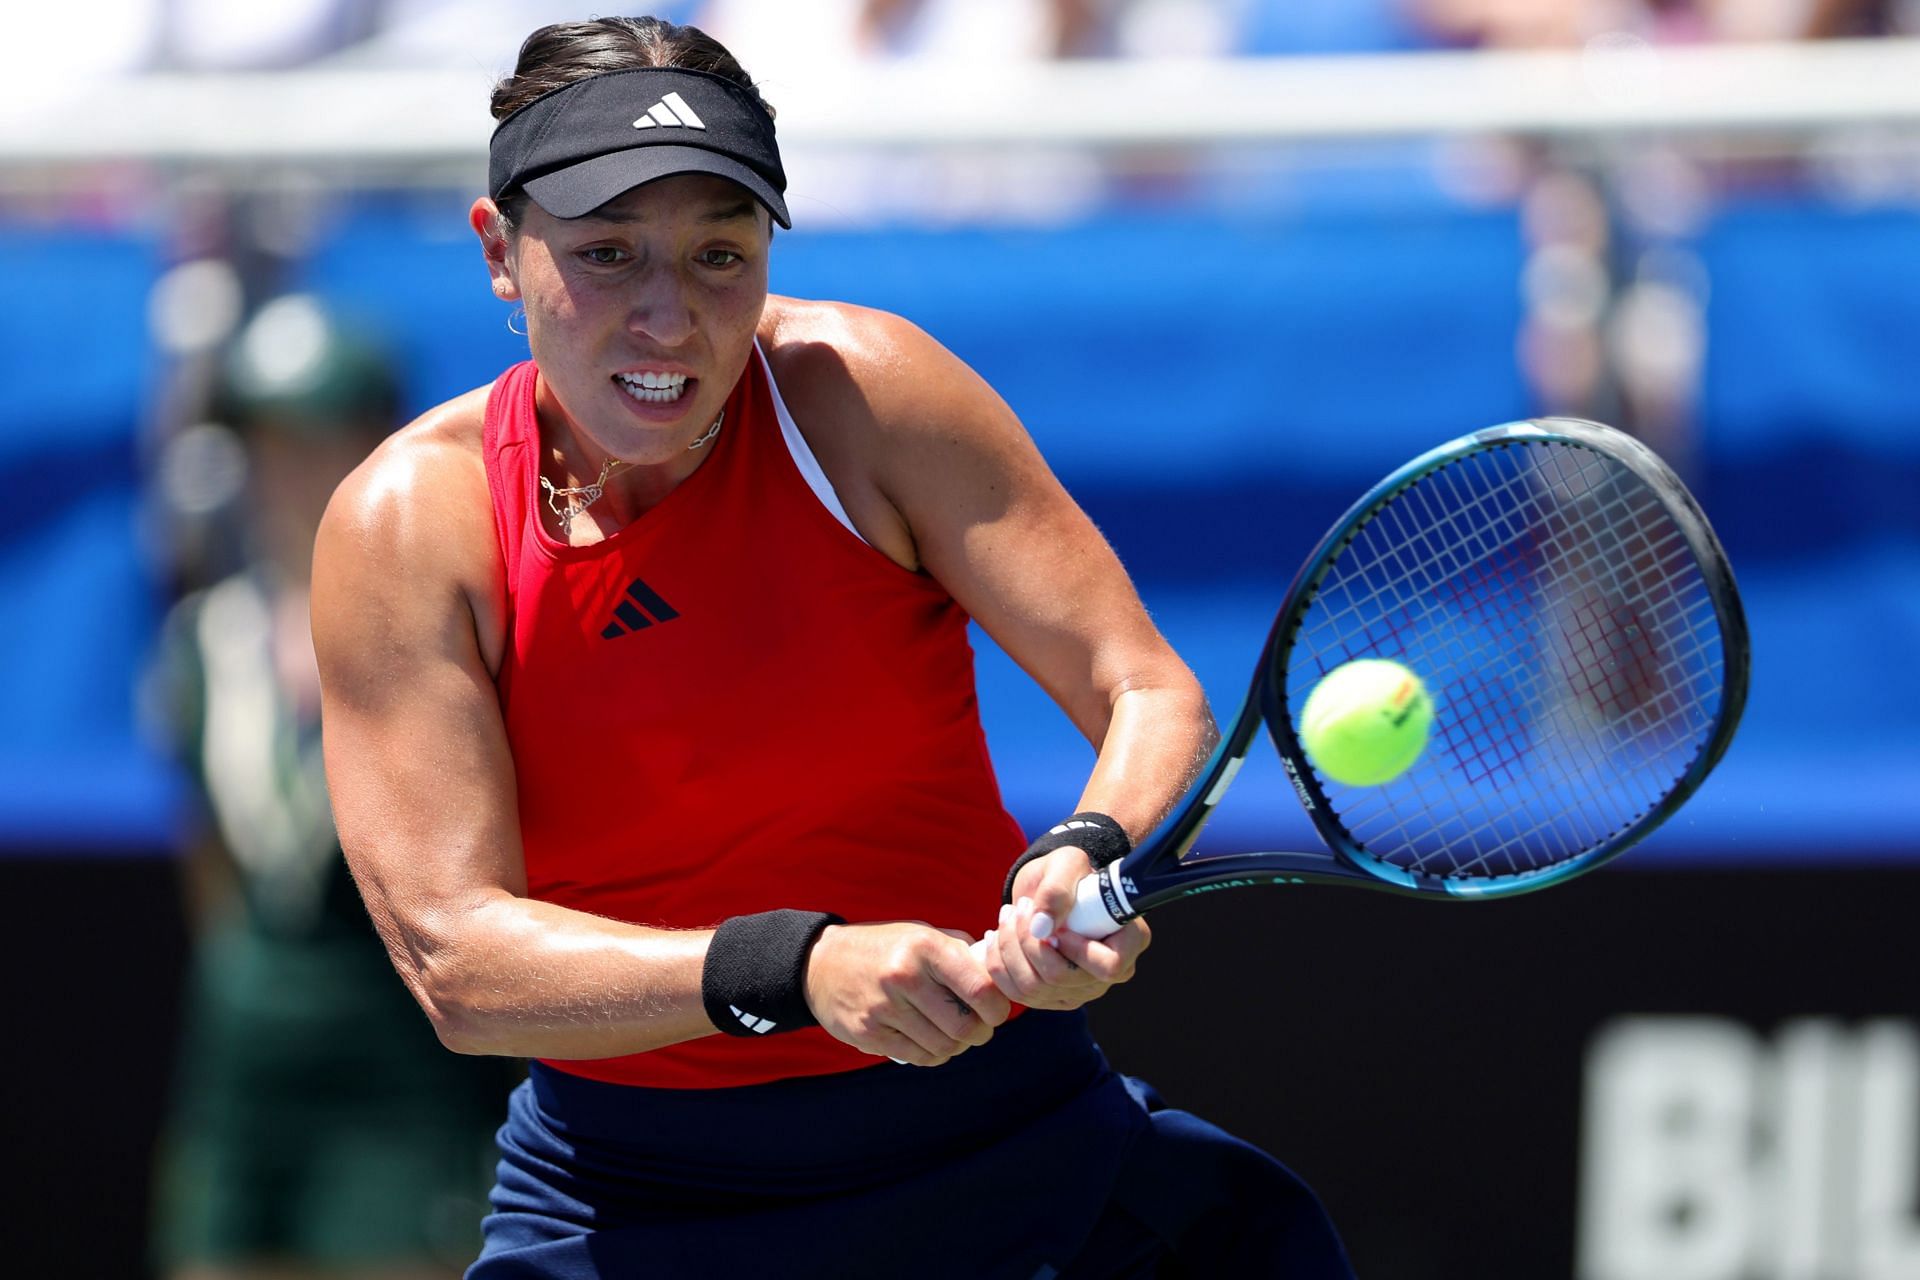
(1104, 840)
(755, 979)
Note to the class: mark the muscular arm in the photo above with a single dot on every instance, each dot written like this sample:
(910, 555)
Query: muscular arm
(955, 486)
(992, 522)
(994, 525)
(422, 783)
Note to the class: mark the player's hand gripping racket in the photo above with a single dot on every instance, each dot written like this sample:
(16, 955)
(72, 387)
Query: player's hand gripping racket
(1573, 616)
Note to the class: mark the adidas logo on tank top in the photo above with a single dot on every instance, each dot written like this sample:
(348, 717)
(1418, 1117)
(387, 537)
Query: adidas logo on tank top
(640, 610)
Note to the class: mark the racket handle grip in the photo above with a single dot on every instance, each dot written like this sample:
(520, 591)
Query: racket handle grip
(1090, 917)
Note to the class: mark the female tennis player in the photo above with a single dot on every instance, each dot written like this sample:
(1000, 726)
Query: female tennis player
(651, 732)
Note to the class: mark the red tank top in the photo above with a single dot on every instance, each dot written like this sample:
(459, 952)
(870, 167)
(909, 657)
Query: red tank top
(734, 704)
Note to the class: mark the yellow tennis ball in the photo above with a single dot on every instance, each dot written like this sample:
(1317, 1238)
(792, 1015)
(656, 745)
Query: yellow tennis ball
(1366, 722)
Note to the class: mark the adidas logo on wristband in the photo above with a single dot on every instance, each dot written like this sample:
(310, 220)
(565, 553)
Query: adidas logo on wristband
(1104, 840)
(762, 959)
(759, 1026)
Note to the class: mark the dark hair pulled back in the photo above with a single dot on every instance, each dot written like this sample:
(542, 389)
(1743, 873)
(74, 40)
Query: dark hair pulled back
(556, 56)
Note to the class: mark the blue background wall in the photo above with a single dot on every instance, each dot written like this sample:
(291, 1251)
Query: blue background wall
(1213, 389)
(79, 604)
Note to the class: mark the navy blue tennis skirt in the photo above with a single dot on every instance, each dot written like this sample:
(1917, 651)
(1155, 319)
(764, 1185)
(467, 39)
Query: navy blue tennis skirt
(1026, 1158)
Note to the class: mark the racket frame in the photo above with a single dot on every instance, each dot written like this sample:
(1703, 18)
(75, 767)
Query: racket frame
(1159, 870)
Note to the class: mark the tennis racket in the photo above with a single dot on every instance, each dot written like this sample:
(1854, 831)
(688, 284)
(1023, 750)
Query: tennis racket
(1562, 597)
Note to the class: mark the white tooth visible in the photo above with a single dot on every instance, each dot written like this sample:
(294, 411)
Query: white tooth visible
(671, 389)
(654, 381)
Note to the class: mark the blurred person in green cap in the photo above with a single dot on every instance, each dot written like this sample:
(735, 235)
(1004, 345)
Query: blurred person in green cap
(317, 1127)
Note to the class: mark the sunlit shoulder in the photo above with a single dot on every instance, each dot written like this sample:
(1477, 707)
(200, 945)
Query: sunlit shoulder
(912, 438)
(870, 369)
(438, 452)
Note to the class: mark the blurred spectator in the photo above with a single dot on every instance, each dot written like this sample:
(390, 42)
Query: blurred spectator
(1525, 24)
(1799, 19)
(318, 1127)
(986, 28)
(1534, 24)
(794, 45)
(184, 35)
(482, 35)
(1616, 294)
(1278, 27)
(230, 35)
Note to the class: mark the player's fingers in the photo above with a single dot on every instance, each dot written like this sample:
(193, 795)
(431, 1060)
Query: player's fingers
(1033, 973)
(948, 1011)
(1043, 951)
(1060, 873)
(935, 1046)
(1011, 967)
(970, 987)
(888, 1043)
(1111, 959)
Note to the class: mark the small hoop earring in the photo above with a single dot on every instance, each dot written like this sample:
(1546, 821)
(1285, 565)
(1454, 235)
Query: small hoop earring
(521, 312)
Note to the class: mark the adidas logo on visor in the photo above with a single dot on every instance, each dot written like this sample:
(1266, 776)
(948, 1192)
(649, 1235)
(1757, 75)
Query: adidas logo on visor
(671, 112)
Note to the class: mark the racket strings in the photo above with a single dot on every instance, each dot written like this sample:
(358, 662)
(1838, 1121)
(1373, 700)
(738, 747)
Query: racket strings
(1501, 846)
(1558, 616)
(1583, 635)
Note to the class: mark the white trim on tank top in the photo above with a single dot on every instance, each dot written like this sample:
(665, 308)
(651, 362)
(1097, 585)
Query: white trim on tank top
(803, 455)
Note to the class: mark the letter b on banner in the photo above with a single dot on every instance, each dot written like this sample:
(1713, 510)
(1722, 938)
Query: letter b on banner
(1666, 1152)
(1710, 1153)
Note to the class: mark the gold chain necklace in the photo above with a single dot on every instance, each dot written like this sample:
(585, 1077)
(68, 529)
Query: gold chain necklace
(582, 496)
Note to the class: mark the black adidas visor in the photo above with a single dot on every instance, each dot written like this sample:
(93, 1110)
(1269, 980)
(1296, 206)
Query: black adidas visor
(576, 148)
